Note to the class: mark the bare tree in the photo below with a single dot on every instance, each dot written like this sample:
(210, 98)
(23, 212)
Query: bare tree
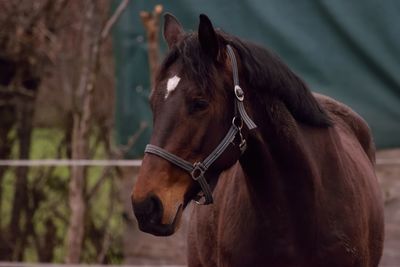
(92, 41)
(38, 51)
(25, 30)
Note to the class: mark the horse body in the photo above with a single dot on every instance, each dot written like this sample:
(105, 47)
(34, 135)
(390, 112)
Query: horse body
(303, 193)
(290, 216)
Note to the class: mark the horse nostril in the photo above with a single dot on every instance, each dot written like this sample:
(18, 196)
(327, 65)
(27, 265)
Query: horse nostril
(156, 206)
(149, 210)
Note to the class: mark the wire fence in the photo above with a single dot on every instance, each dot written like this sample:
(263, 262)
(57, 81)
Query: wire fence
(69, 162)
(121, 163)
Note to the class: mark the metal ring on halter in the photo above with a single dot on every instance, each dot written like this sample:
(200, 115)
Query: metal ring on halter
(198, 171)
(239, 93)
(234, 120)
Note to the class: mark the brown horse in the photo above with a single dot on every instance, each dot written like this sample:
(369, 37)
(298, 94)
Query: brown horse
(291, 173)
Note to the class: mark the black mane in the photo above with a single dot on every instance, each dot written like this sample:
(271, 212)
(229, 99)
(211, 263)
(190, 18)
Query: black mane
(271, 77)
(262, 70)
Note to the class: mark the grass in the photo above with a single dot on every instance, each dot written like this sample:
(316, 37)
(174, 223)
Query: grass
(44, 145)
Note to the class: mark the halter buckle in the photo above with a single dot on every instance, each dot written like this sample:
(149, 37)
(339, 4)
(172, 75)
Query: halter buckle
(239, 93)
(235, 121)
(198, 171)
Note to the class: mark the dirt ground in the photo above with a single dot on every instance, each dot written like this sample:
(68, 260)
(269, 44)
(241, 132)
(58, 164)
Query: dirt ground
(147, 249)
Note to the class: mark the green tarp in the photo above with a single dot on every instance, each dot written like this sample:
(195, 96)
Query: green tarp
(349, 50)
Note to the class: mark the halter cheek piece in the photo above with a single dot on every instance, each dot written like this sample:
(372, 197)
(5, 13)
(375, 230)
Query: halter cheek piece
(198, 169)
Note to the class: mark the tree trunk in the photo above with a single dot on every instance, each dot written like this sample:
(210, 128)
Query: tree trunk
(90, 50)
(25, 112)
(7, 121)
(76, 198)
(80, 142)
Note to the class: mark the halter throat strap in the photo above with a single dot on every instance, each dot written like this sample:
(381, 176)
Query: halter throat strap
(197, 170)
(239, 93)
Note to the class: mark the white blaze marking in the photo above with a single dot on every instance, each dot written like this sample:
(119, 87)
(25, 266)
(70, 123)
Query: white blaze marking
(171, 85)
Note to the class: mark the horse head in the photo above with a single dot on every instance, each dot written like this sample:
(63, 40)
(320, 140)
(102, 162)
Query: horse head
(192, 105)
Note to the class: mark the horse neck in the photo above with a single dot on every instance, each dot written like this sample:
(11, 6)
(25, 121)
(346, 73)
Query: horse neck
(279, 174)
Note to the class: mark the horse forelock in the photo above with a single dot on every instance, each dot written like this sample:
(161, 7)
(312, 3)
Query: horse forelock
(195, 65)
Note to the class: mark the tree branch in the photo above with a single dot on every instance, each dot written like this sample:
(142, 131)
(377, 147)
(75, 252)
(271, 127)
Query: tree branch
(114, 18)
(151, 22)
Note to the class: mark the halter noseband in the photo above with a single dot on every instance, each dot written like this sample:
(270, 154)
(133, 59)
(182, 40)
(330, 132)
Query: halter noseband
(198, 169)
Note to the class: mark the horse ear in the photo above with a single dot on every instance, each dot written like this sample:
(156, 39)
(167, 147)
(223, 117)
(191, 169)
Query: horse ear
(208, 37)
(173, 30)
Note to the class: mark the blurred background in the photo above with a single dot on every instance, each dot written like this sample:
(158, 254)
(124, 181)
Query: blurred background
(75, 76)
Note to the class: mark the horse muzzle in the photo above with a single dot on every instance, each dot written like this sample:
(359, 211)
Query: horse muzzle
(149, 213)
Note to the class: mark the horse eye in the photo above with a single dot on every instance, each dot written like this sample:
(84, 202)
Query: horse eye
(197, 105)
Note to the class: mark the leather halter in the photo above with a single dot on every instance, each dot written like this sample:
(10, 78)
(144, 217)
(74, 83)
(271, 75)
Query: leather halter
(198, 169)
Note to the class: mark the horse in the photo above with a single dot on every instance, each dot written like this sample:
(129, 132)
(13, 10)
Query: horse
(286, 176)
